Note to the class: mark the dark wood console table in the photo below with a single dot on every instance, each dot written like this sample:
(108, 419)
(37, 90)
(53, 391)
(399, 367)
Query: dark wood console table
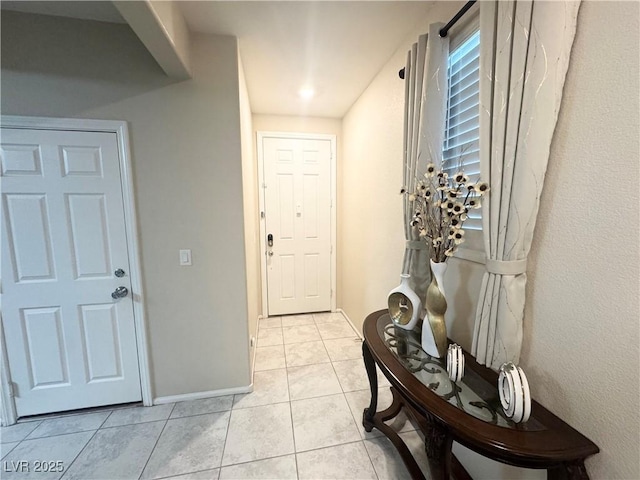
(467, 412)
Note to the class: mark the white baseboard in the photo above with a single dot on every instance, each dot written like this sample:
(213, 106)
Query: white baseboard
(344, 314)
(198, 395)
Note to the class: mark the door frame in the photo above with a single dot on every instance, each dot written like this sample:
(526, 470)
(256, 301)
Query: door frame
(8, 415)
(261, 202)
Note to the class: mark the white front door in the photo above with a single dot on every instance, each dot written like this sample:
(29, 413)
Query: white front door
(297, 199)
(70, 344)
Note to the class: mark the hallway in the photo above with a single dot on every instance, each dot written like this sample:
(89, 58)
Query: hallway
(303, 420)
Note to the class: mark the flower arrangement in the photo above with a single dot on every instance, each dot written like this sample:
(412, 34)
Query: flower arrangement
(440, 206)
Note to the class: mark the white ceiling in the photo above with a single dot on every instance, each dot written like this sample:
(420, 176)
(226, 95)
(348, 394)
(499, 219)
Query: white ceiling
(337, 47)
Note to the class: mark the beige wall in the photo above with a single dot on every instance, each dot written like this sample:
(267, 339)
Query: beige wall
(581, 319)
(370, 229)
(186, 149)
(284, 123)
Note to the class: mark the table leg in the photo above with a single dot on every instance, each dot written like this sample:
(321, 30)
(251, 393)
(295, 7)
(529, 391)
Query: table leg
(370, 365)
(573, 471)
(394, 408)
(437, 445)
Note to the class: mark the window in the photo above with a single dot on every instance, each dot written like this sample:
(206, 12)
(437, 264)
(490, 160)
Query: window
(461, 149)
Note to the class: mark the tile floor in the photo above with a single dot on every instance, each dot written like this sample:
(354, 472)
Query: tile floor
(303, 421)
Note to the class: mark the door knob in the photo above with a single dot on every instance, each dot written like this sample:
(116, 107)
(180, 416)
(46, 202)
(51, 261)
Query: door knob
(119, 273)
(120, 292)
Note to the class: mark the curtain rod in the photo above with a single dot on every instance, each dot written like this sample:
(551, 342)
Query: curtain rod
(445, 30)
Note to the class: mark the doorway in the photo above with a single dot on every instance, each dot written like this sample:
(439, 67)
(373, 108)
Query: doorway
(297, 175)
(72, 319)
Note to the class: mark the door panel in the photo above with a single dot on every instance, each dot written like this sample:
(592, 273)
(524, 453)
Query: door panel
(89, 238)
(310, 192)
(30, 240)
(85, 161)
(101, 342)
(311, 274)
(70, 344)
(19, 160)
(47, 360)
(297, 174)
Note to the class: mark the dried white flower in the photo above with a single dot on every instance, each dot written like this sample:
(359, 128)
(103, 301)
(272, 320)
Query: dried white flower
(461, 178)
(474, 203)
(481, 188)
(458, 208)
(440, 205)
(448, 205)
(431, 170)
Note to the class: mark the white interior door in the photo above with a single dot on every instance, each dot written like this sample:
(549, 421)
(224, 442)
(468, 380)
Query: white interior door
(297, 194)
(70, 344)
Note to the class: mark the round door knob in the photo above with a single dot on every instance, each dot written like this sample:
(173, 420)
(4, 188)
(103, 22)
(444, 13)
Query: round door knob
(120, 292)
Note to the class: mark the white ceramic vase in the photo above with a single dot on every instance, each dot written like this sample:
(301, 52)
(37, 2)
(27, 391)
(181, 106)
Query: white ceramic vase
(434, 328)
(404, 304)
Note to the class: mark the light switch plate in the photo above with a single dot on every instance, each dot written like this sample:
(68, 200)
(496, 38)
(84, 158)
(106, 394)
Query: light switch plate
(185, 258)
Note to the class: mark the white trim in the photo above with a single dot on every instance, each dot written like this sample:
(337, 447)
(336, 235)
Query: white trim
(131, 225)
(183, 397)
(133, 247)
(8, 415)
(263, 234)
(344, 314)
(261, 205)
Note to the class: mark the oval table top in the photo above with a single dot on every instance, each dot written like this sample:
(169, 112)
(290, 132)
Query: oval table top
(470, 409)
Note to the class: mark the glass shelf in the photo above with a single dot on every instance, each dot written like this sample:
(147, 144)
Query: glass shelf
(473, 394)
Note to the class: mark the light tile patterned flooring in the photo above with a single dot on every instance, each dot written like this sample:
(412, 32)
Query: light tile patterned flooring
(303, 421)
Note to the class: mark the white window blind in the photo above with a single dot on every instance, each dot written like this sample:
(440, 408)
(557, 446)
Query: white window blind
(461, 150)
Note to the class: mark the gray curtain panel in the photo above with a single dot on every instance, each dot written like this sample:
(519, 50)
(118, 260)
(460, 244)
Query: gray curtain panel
(425, 108)
(524, 56)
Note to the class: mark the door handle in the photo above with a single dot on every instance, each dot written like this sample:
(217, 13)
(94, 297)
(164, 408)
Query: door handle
(120, 292)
